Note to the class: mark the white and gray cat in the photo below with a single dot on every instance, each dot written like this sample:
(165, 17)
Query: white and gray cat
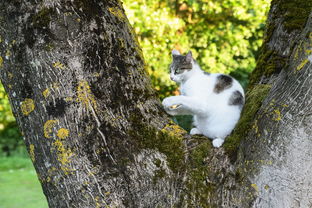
(214, 100)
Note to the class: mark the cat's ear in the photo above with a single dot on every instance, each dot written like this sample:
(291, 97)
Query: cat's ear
(175, 52)
(189, 57)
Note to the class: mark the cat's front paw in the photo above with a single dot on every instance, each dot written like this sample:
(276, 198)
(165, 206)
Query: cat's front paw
(171, 104)
(217, 142)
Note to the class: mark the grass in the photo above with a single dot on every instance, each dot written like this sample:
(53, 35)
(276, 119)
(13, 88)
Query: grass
(19, 185)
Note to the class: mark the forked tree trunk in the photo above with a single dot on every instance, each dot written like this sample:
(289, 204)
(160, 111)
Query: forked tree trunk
(98, 136)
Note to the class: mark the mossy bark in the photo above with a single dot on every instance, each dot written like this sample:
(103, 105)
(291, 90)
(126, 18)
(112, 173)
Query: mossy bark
(273, 159)
(98, 136)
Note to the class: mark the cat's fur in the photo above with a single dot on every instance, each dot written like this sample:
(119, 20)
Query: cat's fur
(214, 100)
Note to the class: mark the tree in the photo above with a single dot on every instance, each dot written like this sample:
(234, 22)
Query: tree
(98, 136)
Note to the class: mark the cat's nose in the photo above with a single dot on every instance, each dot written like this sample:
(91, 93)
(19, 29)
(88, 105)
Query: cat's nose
(171, 77)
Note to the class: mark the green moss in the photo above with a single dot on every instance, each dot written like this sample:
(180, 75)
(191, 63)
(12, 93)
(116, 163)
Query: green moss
(159, 174)
(167, 140)
(172, 146)
(294, 13)
(88, 9)
(49, 47)
(254, 99)
(43, 17)
(199, 171)
(269, 62)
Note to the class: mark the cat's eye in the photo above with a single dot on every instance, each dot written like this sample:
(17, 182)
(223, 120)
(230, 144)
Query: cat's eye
(180, 70)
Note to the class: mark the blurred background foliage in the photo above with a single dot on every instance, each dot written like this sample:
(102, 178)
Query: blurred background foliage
(224, 36)
(10, 138)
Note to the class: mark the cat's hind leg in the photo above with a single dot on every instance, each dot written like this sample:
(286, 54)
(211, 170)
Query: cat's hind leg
(195, 131)
(217, 142)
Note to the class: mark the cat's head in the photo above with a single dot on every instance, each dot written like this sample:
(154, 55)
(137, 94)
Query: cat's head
(181, 66)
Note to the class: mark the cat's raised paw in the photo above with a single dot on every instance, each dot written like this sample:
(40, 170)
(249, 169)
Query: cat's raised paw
(217, 142)
(194, 131)
(170, 101)
(171, 104)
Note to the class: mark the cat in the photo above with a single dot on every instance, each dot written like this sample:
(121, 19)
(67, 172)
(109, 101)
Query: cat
(214, 100)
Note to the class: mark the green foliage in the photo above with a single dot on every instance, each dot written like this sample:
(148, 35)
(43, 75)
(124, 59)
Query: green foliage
(10, 138)
(6, 115)
(224, 35)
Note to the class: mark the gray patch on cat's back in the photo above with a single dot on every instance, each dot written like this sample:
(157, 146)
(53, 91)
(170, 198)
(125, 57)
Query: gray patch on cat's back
(236, 99)
(206, 73)
(223, 82)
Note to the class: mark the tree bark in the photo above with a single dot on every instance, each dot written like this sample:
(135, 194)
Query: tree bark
(98, 136)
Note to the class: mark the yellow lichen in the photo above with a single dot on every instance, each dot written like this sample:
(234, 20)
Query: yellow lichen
(67, 99)
(1, 61)
(266, 187)
(256, 128)
(255, 187)
(97, 204)
(46, 93)
(297, 53)
(62, 133)
(32, 152)
(51, 170)
(84, 95)
(96, 74)
(277, 115)
(55, 85)
(10, 75)
(173, 130)
(302, 64)
(63, 155)
(117, 13)
(58, 65)
(27, 106)
(8, 54)
(48, 128)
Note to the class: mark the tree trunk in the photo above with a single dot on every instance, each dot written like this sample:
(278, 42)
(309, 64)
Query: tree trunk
(98, 136)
